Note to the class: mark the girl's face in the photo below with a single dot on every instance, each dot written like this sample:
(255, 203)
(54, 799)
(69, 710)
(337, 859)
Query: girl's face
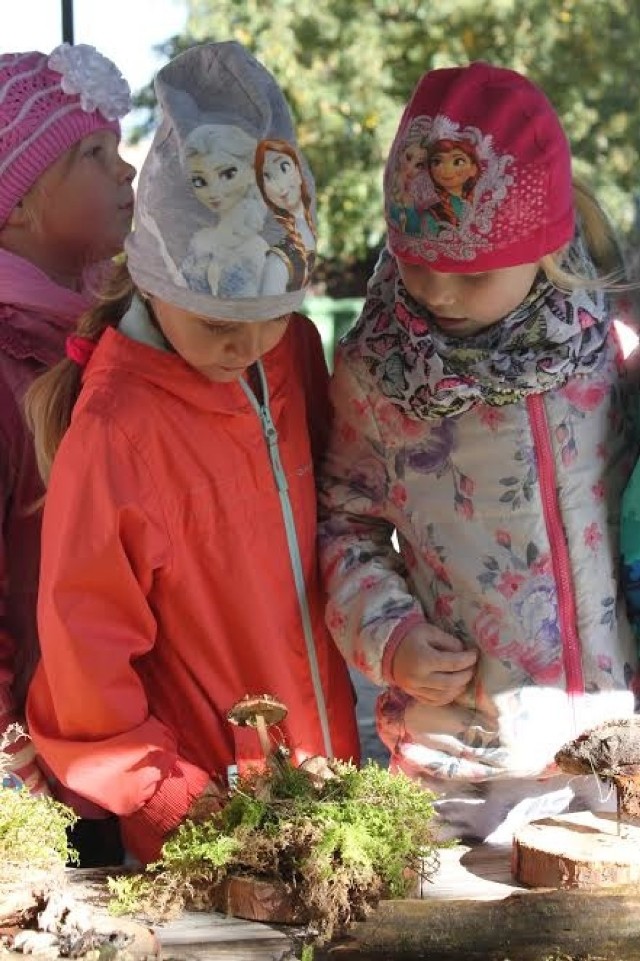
(282, 180)
(451, 169)
(220, 350)
(464, 304)
(81, 207)
(219, 181)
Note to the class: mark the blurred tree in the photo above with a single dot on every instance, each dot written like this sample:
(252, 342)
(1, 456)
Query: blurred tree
(348, 67)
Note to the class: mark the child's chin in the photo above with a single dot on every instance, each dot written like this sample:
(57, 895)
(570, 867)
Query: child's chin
(221, 375)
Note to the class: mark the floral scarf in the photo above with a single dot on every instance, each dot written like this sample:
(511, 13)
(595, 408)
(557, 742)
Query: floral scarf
(549, 338)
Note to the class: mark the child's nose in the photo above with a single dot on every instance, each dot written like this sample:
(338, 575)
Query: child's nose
(127, 171)
(439, 290)
(247, 345)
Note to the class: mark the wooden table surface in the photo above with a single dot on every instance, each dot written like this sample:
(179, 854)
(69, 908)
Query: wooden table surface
(470, 911)
(477, 874)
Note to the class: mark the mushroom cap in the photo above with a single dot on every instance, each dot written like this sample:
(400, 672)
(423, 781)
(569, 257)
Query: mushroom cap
(244, 712)
(610, 748)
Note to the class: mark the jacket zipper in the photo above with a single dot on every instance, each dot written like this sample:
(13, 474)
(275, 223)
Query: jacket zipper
(271, 436)
(561, 562)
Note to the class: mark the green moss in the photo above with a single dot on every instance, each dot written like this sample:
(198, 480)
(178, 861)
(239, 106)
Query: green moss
(339, 847)
(33, 829)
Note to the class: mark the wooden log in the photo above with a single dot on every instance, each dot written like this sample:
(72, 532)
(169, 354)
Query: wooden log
(523, 927)
(576, 851)
(256, 900)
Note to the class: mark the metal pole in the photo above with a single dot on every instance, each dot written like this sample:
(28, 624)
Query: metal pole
(67, 21)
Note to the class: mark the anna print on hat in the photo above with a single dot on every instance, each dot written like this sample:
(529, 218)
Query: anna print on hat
(450, 199)
(286, 193)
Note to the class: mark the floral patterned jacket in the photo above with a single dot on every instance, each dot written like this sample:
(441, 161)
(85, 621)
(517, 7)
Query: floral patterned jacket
(507, 520)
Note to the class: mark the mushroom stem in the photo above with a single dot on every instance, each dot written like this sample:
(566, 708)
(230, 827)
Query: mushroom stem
(263, 735)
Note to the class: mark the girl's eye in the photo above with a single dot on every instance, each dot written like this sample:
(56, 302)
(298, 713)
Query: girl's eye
(477, 277)
(228, 173)
(218, 328)
(198, 182)
(285, 166)
(94, 151)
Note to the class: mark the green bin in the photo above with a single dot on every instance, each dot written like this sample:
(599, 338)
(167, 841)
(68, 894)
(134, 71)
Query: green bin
(333, 318)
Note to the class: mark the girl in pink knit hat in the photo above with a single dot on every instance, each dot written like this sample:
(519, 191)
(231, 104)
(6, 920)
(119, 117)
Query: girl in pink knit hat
(480, 413)
(66, 203)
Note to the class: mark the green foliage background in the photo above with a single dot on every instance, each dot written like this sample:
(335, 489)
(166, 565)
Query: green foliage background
(348, 67)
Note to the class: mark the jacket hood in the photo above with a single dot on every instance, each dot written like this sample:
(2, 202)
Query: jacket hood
(137, 353)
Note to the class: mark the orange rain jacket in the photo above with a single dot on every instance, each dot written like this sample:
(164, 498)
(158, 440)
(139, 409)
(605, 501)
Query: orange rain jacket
(168, 582)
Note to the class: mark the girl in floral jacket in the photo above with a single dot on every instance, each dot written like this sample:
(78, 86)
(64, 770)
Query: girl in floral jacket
(480, 412)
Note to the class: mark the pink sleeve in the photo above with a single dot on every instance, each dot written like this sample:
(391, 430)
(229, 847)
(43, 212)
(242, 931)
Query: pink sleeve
(21, 752)
(370, 604)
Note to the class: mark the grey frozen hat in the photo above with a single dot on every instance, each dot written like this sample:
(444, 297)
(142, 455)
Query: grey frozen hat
(225, 212)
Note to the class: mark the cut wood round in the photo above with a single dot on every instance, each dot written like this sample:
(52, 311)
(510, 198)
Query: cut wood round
(576, 851)
(255, 899)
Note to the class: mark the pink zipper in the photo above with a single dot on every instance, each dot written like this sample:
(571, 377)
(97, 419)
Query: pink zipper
(568, 621)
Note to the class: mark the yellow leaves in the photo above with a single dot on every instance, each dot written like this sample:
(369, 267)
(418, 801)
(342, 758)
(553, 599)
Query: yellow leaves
(243, 36)
(468, 39)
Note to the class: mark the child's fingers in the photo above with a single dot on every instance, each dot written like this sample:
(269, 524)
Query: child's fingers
(442, 688)
(441, 641)
(450, 662)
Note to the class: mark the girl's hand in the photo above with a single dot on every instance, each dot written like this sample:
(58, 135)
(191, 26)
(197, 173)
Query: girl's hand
(207, 804)
(431, 666)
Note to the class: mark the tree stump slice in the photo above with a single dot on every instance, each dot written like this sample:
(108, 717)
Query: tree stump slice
(581, 851)
(255, 899)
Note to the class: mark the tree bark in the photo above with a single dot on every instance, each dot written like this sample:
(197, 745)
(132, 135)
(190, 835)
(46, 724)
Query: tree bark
(603, 926)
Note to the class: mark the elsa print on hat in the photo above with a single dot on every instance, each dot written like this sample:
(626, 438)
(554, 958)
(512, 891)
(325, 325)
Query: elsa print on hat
(225, 217)
(479, 174)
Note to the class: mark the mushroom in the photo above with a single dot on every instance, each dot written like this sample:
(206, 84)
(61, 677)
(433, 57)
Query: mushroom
(611, 751)
(318, 770)
(259, 711)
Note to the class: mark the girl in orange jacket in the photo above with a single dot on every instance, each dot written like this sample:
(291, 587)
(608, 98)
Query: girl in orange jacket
(179, 566)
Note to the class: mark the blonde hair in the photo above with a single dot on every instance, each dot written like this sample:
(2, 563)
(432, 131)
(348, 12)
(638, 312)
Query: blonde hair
(50, 400)
(40, 192)
(220, 141)
(601, 243)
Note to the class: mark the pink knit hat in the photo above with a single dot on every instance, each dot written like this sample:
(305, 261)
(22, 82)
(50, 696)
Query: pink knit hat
(49, 103)
(479, 174)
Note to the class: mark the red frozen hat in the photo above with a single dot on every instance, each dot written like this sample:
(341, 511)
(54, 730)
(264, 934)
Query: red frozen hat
(479, 174)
